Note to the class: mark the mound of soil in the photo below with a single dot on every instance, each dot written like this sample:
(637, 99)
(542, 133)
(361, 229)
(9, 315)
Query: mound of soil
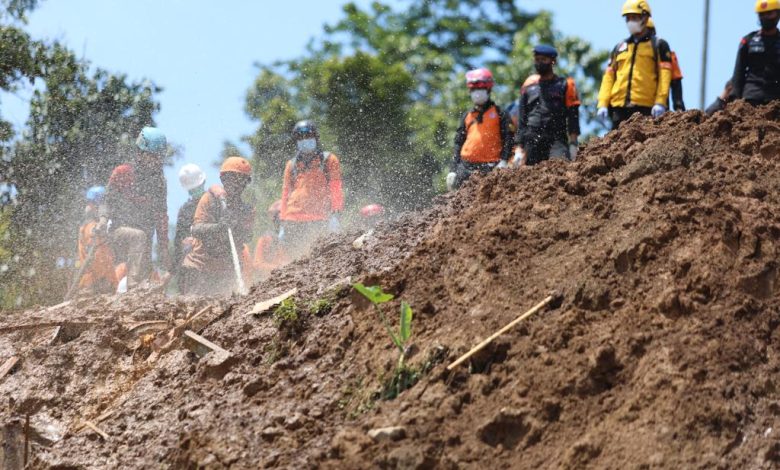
(663, 240)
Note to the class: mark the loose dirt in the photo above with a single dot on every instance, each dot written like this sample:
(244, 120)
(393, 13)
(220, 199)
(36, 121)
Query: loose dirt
(663, 240)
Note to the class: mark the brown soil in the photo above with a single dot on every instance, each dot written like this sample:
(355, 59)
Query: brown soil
(663, 239)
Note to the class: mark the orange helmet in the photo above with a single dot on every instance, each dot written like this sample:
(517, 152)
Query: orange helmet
(236, 165)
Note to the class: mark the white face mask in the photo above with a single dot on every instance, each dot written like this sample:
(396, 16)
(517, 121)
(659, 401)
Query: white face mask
(635, 27)
(307, 145)
(479, 96)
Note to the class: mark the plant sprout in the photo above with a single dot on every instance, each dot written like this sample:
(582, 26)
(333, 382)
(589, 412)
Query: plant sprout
(377, 297)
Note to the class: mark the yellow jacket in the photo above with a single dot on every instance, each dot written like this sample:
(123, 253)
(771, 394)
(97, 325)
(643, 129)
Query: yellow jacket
(639, 74)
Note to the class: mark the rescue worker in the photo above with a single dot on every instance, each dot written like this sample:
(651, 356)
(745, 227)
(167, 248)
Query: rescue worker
(484, 140)
(208, 269)
(639, 73)
(95, 255)
(137, 207)
(675, 88)
(549, 118)
(312, 194)
(269, 252)
(193, 180)
(756, 76)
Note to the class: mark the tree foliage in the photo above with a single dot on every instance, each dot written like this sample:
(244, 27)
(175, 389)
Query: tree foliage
(386, 87)
(81, 125)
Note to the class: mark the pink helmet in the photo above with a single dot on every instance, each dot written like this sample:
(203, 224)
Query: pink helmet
(372, 210)
(479, 79)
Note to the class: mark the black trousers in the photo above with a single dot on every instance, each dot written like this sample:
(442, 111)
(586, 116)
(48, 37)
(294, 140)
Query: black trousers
(618, 115)
(464, 171)
(540, 150)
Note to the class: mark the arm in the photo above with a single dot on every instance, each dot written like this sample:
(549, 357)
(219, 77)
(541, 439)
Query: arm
(522, 120)
(286, 189)
(334, 184)
(677, 95)
(605, 92)
(460, 139)
(664, 73)
(507, 139)
(738, 79)
(572, 102)
(205, 225)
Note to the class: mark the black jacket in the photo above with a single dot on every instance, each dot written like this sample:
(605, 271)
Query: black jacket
(757, 71)
(547, 113)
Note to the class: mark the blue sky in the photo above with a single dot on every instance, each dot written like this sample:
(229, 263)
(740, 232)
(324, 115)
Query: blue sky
(202, 52)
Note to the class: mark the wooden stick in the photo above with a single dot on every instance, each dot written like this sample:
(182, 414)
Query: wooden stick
(96, 429)
(262, 307)
(8, 365)
(500, 332)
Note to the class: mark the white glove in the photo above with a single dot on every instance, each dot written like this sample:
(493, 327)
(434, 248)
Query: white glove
(502, 164)
(658, 110)
(333, 224)
(519, 155)
(281, 233)
(602, 114)
(573, 150)
(451, 180)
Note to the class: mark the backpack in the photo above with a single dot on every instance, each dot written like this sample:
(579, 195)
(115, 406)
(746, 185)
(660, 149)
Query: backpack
(323, 167)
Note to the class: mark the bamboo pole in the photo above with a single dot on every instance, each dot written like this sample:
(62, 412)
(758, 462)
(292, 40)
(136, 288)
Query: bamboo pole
(500, 332)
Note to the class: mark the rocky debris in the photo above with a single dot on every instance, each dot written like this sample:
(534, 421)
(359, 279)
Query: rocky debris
(392, 433)
(663, 238)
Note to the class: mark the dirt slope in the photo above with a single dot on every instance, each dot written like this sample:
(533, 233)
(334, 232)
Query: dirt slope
(663, 240)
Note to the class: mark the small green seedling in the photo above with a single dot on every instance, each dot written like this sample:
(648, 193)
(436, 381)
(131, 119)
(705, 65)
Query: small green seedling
(378, 297)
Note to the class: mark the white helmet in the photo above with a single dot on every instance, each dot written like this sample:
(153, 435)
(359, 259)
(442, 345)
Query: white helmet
(191, 176)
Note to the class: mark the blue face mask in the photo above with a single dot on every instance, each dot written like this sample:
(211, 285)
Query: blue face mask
(307, 145)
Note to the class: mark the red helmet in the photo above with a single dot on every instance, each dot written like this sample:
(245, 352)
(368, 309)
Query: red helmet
(372, 210)
(479, 79)
(122, 178)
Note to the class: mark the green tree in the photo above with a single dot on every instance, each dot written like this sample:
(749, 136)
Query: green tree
(81, 126)
(386, 86)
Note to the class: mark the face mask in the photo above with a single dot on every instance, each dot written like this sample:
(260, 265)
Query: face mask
(307, 145)
(542, 68)
(635, 27)
(479, 97)
(768, 24)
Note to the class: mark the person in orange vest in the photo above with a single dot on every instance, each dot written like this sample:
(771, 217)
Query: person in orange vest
(94, 252)
(675, 88)
(269, 252)
(549, 124)
(136, 204)
(484, 139)
(208, 269)
(312, 194)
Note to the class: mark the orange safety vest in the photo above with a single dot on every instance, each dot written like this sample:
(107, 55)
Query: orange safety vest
(483, 140)
(311, 192)
(99, 277)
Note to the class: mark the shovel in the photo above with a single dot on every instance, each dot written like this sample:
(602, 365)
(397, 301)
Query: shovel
(242, 290)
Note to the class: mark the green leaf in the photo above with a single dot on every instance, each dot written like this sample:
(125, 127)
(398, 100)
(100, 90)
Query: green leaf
(373, 293)
(406, 322)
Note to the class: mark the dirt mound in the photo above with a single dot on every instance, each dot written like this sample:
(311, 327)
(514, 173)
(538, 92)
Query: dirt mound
(663, 240)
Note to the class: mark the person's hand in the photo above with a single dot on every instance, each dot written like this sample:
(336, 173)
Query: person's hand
(658, 111)
(519, 157)
(573, 150)
(502, 164)
(602, 114)
(451, 180)
(334, 226)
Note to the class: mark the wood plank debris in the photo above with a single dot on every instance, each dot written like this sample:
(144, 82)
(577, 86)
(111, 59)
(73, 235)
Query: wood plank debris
(8, 365)
(33, 326)
(92, 426)
(262, 307)
(200, 345)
